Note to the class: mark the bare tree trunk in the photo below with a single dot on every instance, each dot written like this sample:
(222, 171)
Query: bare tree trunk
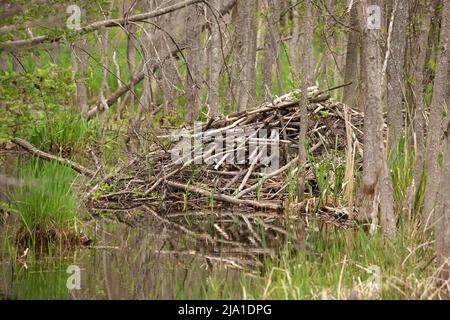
(306, 76)
(214, 60)
(193, 56)
(396, 73)
(294, 46)
(130, 29)
(352, 59)
(436, 111)
(376, 180)
(442, 227)
(251, 57)
(103, 38)
(419, 111)
(3, 61)
(148, 54)
(246, 40)
(370, 80)
(271, 48)
(79, 67)
(170, 78)
(327, 54)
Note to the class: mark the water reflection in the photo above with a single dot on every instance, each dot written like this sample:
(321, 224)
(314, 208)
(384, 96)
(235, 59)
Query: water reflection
(125, 263)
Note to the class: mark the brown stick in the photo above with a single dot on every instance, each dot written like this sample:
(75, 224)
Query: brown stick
(46, 156)
(264, 178)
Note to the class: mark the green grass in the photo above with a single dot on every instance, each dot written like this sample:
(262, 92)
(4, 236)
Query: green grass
(62, 130)
(45, 202)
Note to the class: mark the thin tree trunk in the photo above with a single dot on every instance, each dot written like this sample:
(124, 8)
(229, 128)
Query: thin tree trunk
(245, 35)
(147, 55)
(376, 180)
(371, 96)
(79, 67)
(442, 227)
(3, 61)
(294, 46)
(193, 56)
(271, 48)
(130, 29)
(306, 76)
(419, 112)
(396, 73)
(104, 52)
(170, 80)
(436, 111)
(327, 55)
(352, 59)
(251, 57)
(214, 60)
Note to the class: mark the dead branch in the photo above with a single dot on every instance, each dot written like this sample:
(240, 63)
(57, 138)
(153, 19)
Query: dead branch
(46, 156)
(15, 44)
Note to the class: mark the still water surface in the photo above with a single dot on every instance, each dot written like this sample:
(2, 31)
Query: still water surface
(124, 263)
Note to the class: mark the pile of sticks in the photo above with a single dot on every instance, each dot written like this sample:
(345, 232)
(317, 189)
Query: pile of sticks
(234, 208)
(230, 203)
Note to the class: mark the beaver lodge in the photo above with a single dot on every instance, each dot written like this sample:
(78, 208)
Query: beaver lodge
(239, 207)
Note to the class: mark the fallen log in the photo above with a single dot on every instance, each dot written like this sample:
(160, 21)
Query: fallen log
(46, 156)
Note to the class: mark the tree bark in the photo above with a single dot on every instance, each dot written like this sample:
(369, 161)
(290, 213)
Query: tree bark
(442, 226)
(193, 56)
(440, 88)
(245, 35)
(418, 88)
(271, 48)
(306, 76)
(396, 73)
(215, 60)
(294, 46)
(352, 59)
(376, 180)
(80, 66)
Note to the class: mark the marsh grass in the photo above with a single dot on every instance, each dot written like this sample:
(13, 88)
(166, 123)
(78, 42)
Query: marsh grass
(46, 204)
(64, 131)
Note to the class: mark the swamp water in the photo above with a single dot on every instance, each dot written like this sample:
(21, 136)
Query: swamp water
(124, 263)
